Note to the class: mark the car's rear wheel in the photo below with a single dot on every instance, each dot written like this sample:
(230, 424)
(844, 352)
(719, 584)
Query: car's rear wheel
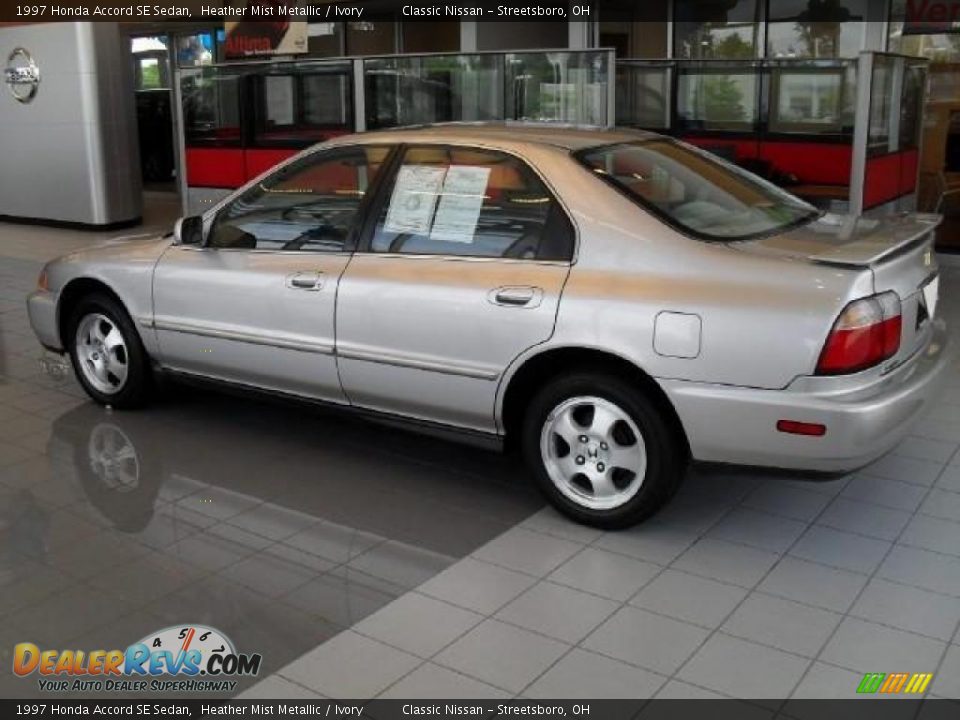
(603, 453)
(108, 357)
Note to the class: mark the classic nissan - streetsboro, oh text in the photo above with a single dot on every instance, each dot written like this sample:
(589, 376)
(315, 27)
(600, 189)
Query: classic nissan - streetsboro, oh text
(501, 709)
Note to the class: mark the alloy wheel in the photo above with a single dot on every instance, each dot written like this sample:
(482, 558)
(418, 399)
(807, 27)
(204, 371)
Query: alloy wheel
(593, 452)
(102, 353)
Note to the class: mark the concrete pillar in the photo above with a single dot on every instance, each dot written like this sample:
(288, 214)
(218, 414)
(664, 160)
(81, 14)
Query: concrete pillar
(74, 143)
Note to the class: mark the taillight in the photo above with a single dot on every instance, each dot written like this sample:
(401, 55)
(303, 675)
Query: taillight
(866, 333)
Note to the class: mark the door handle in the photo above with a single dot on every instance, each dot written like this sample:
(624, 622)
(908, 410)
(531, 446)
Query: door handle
(305, 281)
(522, 296)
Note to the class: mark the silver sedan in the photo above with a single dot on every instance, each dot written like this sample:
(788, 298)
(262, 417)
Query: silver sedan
(610, 304)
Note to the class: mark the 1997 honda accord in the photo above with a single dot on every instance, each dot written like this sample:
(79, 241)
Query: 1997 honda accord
(611, 303)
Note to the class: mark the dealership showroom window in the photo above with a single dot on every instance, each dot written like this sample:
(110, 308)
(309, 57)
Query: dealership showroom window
(545, 357)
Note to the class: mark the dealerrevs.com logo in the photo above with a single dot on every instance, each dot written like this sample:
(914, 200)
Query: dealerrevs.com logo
(180, 658)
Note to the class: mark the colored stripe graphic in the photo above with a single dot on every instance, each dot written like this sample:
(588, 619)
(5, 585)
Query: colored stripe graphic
(871, 682)
(893, 683)
(918, 683)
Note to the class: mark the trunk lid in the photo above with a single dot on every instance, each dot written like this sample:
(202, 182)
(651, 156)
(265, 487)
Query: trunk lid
(897, 250)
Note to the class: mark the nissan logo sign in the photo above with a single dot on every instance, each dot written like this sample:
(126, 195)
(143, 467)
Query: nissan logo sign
(22, 75)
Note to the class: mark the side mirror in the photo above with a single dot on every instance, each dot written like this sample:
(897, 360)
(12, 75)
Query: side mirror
(188, 231)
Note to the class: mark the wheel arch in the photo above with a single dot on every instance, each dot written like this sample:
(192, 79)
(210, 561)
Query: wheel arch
(71, 294)
(535, 371)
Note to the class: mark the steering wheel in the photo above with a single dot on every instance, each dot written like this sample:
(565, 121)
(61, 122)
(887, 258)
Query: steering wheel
(299, 211)
(324, 233)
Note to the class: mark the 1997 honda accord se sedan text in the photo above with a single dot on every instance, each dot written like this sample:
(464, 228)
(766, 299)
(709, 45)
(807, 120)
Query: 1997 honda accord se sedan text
(611, 303)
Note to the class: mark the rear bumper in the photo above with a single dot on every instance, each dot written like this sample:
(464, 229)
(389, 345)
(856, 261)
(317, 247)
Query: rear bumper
(42, 309)
(738, 425)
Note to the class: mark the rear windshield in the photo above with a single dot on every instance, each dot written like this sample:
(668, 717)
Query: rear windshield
(696, 192)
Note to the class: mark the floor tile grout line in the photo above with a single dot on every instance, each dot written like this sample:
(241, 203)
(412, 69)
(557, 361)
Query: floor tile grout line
(661, 615)
(448, 669)
(872, 576)
(352, 627)
(625, 603)
(750, 591)
(943, 655)
(946, 649)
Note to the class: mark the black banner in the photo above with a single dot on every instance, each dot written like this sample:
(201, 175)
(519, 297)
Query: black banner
(863, 709)
(274, 11)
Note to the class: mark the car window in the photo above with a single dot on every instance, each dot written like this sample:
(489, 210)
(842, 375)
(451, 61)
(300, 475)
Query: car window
(468, 202)
(309, 205)
(696, 192)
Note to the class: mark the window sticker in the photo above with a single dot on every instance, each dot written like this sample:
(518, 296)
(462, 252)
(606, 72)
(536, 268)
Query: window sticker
(464, 190)
(414, 198)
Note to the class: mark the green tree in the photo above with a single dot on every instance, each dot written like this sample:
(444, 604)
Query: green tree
(733, 47)
(722, 99)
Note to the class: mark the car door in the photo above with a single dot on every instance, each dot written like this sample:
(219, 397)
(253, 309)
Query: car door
(460, 272)
(255, 303)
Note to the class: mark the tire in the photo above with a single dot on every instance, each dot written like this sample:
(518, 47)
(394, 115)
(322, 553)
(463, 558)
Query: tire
(630, 465)
(108, 357)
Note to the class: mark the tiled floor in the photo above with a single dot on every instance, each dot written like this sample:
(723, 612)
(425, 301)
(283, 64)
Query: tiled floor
(362, 561)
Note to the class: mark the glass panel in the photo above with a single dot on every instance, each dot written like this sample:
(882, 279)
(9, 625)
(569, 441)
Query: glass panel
(557, 87)
(211, 106)
(715, 29)
(302, 105)
(467, 202)
(879, 138)
(327, 101)
(911, 105)
(643, 96)
(312, 204)
(693, 190)
(717, 99)
(937, 47)
(813, 100)
(441, 88)
(814, 29)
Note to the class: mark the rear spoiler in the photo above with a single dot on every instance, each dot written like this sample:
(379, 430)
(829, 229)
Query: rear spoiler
(914, 231)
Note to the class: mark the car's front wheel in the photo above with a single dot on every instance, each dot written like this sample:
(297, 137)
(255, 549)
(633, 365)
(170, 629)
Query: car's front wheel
(602, 452)
(108, 357)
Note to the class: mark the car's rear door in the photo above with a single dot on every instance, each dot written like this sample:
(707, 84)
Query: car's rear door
(255, 304)
(461, 271)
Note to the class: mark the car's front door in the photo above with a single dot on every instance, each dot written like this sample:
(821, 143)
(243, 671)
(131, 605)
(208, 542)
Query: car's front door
(461, 272)
(255, 304)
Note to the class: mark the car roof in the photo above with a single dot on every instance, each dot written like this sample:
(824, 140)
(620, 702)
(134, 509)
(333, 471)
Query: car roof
(510, 133)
